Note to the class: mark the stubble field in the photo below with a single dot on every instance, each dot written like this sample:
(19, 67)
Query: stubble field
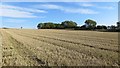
(48, 47)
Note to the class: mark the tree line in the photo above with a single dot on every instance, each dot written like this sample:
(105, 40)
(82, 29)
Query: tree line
(66, 24)
(88, 25)
(63, 25)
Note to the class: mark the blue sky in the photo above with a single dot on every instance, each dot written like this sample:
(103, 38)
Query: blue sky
(29, 14)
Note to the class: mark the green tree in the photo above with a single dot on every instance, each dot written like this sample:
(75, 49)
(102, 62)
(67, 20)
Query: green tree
(47, 25)
(40, 25)
(113, 27)
(59, 26)
(50, 25)
(101, 27)
(90, 24)
(69, 24)
(118, 26)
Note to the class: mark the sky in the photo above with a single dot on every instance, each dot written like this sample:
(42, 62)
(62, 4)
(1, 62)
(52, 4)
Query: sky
(29, 14)
(59, 0)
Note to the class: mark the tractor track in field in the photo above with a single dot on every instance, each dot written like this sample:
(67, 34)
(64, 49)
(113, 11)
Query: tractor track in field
(57, 46)
(70, 42)
(88, 55)
(102, 43)
(25, 49)
(78, 43)
(7, 53)
(83, 37)
(27, 53)
(98, 38)
(31, 36)
(24, 52)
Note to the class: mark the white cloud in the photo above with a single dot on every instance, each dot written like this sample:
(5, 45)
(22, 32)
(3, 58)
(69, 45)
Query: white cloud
(18, 12)
(15, 21)
(66, 9)
(87, 5)
(50, 6)
(22, 9)
(106, 7)
(80, 10)
(96, 6)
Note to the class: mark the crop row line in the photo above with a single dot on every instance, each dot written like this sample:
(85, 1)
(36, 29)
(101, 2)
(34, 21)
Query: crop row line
(88, 54)
(74, 43)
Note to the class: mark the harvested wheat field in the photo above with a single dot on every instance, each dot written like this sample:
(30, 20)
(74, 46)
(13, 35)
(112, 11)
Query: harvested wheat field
(48, 47)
